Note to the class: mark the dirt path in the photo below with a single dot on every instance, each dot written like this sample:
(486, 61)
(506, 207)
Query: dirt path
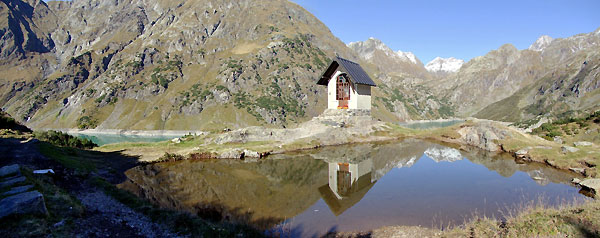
(110, 218)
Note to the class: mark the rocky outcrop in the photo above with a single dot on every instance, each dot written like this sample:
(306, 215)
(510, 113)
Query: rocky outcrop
(483, 135)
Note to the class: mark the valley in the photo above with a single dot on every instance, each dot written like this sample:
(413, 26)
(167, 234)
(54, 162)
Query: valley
(203, 118)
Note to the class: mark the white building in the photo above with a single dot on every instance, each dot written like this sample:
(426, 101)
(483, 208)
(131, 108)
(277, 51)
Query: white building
(348, 85)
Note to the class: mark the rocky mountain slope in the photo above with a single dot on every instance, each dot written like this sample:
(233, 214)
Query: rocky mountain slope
(403, 93)
(551, 77)
(193, 65)
(209, 65)
(560, 77)
(164, 64)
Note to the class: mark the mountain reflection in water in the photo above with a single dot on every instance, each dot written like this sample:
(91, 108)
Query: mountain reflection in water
(353, 187)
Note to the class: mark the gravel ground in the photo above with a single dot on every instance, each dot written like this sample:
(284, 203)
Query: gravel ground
(109, 218)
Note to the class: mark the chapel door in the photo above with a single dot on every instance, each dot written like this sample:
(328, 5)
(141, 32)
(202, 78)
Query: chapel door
(344, 179)
(342, 92)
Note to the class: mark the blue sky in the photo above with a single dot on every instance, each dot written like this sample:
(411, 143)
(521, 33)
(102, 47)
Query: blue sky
(460, 29)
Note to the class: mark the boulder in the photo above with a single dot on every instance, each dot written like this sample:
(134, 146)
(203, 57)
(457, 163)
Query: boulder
(17, 190)
(176, 140)
(566, 149)
(521, 153)
(252, 154)
(582, 143)
(231, 154)
(577, 170)
(23, 203)
(557, 139)
(10, 169)
(593, 185)
(11, 181)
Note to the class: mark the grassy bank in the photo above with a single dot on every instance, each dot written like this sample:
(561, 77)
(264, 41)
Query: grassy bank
(581, 220)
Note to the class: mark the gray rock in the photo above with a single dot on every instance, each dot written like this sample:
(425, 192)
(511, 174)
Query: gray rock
(521, 153)
(10, 169)
(582, 143)
(231, 154)
(11, 181)
(577, 170)
(19, 189)
(557, 139)
(23, 203)
(576, 181)
(252, 154)
(592, 185)
(566, 149)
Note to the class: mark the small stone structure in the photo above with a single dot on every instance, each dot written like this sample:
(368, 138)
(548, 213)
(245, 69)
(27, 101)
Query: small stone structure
(18, 200)
(348, 85)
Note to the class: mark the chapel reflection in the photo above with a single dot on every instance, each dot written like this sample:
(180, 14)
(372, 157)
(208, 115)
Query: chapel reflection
(349, 181)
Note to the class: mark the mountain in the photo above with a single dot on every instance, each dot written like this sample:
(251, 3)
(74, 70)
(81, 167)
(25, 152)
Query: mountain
(403, 95)
(541, 43)
(444, 65)
(159, 64)
(483, 82)
(210, 65)
(376, 52)
(569, 84)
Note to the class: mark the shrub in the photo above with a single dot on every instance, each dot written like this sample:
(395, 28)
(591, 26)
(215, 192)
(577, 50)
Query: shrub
(63, 139)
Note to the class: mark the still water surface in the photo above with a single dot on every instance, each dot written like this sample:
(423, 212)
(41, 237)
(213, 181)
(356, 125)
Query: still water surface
(103, 139)
(353, 188)
(423, 125)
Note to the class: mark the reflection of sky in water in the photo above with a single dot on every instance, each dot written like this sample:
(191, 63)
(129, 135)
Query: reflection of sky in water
(432, 192)
(357, 187)
(103, 139)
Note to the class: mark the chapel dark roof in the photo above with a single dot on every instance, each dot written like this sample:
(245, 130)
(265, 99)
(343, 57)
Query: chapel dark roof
(356, 73)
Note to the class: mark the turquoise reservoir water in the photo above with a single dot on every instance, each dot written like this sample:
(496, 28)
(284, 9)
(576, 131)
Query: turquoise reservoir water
(103, 139)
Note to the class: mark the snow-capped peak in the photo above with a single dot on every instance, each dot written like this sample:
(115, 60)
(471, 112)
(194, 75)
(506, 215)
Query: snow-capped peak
(541, 43)
(444, 64)
(366, 49)
(407, 55)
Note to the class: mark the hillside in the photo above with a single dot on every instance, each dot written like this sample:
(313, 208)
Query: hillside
(568, 85)
(181, 65)
(171, 65)
(550, 78)
(209, 65)
(403, 93)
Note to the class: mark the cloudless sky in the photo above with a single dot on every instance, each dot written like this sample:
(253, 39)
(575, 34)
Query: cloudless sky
(460, 29)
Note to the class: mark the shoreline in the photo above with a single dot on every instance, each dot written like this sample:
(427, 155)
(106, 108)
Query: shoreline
(128, 132)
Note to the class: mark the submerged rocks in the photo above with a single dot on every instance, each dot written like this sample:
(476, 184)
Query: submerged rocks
(23, 203)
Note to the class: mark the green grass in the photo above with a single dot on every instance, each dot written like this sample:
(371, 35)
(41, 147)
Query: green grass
(71, 158)
(574, 220)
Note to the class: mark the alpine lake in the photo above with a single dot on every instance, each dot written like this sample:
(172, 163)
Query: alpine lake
(356, 187)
